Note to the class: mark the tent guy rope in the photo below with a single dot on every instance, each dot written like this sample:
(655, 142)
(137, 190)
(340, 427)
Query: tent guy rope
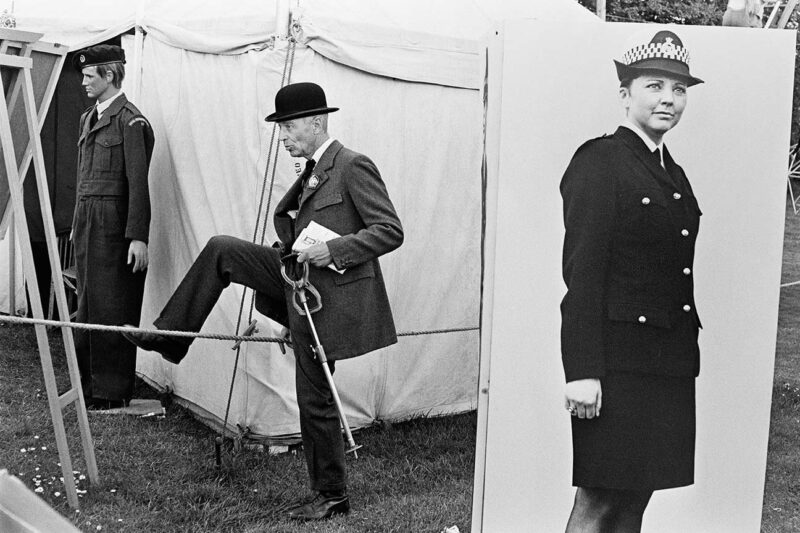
(263, 214)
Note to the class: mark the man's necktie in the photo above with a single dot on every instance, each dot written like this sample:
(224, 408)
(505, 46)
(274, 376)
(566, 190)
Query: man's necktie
(304, 178)
(307, 172)
(657, 156)
(93, 118)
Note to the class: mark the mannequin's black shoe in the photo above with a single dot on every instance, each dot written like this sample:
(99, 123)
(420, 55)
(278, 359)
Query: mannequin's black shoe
(324, 505)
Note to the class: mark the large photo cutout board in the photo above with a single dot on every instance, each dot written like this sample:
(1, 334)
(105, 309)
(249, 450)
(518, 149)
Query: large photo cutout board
(559, 88)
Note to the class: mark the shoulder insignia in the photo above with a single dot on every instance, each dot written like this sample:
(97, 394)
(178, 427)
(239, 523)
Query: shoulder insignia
(140, 119)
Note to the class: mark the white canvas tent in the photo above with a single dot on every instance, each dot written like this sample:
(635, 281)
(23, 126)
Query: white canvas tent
(409, 79)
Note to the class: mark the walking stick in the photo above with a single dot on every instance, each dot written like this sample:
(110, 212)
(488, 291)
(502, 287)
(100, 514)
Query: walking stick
(299, 288)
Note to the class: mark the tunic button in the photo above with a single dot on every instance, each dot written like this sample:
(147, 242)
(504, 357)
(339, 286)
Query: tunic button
(687, 308)
(645, 200)
(685, 232)
(642, 319)
(687, 271)
(677, 196)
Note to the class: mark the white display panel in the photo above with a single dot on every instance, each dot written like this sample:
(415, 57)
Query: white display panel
(558, 89)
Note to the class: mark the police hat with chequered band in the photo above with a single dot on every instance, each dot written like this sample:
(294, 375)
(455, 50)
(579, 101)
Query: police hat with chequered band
(101, 54)
(664, 53)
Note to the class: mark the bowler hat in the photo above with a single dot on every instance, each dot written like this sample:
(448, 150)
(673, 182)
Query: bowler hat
(664, 53)
(100, 54)
(299, 100)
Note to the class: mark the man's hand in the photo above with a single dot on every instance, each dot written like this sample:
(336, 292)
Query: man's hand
(137, 254)
(583, 398)
(316, 254)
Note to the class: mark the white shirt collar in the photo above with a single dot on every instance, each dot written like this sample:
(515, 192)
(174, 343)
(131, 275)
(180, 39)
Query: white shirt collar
(321, 150)
(102, 106)
(647, 140)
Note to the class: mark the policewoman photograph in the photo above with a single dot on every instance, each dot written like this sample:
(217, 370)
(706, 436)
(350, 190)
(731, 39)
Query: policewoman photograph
(629, 324)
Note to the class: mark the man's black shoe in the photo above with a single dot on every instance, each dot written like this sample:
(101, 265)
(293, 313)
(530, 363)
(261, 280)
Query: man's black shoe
(170, 349)
(322, 507)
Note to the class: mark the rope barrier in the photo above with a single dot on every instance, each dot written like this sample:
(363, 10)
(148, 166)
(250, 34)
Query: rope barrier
(436, 331)
(193, 334)
(120, 329)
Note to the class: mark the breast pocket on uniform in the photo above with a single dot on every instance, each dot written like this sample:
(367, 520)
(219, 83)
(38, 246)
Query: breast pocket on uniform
(644, 214)
(327, 201)
(108, 153)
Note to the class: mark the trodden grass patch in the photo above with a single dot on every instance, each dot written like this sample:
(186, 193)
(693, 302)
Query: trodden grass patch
(159, 475)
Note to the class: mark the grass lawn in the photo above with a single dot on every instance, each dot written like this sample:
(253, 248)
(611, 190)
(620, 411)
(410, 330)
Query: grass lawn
(781, 512)
(160, 475)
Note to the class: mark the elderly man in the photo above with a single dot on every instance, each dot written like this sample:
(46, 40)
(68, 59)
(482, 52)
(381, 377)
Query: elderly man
(342, 191)
(110, 226)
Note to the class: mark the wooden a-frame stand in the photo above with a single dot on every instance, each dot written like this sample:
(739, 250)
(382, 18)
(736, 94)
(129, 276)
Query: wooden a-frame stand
(23, 60)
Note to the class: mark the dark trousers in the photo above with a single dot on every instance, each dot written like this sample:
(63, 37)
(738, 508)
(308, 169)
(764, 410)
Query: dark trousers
(110, 293)
(226, 260)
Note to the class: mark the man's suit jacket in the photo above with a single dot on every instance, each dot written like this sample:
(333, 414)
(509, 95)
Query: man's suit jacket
(628, 259)
(349, 198)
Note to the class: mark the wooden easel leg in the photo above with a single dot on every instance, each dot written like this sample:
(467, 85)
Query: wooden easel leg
(75, 394)
(12, 268)
(56, 403)
(21, 225)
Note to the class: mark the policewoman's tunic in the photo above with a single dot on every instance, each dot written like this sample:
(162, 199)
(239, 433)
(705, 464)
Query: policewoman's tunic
(113, 208)
(629, 316)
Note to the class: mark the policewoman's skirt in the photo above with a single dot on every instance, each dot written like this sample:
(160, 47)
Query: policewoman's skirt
(644, 438)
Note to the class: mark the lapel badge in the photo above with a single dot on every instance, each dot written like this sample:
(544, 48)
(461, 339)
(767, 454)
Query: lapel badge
(313, 181)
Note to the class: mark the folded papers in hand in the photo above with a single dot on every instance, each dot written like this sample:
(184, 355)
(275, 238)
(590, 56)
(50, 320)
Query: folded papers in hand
(313, 234)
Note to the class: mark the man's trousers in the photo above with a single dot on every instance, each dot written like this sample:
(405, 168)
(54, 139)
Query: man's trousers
(226, 260)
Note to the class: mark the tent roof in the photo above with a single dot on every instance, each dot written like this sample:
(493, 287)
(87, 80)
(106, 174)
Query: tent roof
(439, 42)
